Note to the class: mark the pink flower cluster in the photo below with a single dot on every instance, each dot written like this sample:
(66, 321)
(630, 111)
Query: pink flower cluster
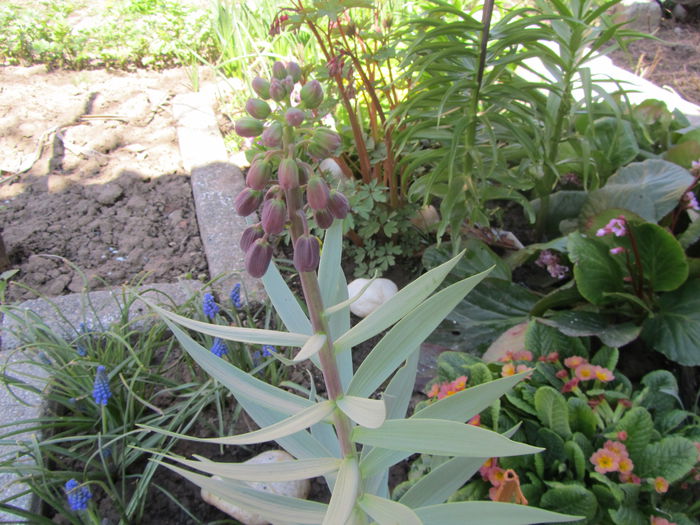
(510, 368)
(616, 226)
(690, 202)
(582, 371)
(656, 520)
(613, 457)
(549, 260)
(448, 388)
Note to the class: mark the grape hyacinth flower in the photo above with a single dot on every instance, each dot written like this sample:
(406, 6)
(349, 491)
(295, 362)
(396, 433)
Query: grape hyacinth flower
(268, 350)
(218, 348)
(100, 391)
(235, 296)
(77, 495)
(209, 306)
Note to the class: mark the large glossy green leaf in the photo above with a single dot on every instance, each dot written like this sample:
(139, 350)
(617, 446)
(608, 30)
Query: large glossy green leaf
(663, 258)
(344, 494)
(277, 471)
(651, 189)
(234, 333)
(440, 437)
(461, 406)
(398, 344)
(489, 512)
(639, 426)
(579, 323)
(285, 302)
(397, 307)
(490, 309)
(271, 506)
(675, 329)
(595, 271)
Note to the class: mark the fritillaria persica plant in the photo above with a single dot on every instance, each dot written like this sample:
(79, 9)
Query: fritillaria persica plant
(348, 430)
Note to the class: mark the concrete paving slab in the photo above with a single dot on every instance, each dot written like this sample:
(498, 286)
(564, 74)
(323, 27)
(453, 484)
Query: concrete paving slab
(215, 184)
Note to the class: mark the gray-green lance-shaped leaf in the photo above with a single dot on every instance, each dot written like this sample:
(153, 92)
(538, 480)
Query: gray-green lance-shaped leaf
(595, 271)
(387, 512)
(553, 411)
(269, 505)
(490, 512)
(639, 426)
(396, 346)
(369, 413)
(663, 258)
(675, 329)
(443, 438)
(285, 302)
(397, 307)
(477, 258)
(571, 499)
(651, 189)
(672, 458)
(277, 471)
(345, 493)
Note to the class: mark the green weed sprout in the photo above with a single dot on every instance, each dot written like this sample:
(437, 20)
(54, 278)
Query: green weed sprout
(353, 433)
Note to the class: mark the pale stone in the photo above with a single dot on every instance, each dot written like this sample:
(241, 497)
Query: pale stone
(379, 292)
(641, 15)
(426, 218)
(293, 489)
(331, 167)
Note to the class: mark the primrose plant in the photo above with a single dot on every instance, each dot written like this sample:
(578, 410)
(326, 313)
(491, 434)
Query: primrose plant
(346, 430)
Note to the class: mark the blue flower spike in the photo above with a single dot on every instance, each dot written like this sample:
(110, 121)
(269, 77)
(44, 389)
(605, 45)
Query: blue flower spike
(78, 495)
(268, 350)
(236, 296)
(100, 391)
(219, 348)
(209, 306)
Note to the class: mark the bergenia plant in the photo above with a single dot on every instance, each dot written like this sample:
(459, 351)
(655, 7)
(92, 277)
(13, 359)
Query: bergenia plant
(353, 427)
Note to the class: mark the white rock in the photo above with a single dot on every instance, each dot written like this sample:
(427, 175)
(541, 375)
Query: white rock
(641, 15)
(379, 292)
(293, 489)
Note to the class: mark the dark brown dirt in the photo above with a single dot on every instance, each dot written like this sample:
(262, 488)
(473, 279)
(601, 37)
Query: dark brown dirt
(91, 172)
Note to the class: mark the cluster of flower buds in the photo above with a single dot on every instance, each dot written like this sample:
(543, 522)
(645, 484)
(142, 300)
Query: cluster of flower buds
(287, 171)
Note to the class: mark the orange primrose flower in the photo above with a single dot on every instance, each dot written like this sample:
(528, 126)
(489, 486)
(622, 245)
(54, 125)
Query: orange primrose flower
(508, 370)
(585, 372)
(603, 374)
(660, 485)
(604, 461)
(574, 361)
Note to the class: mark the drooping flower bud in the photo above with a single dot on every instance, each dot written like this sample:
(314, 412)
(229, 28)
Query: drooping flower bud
(248, 127)
(248, 201)
(278, 70)
(307, 253)
(317, 193)
(327, 138)
(250, 235)
(323, 218)
(288, 83)
(305, 172)
(274, 215)
(258, 258)
(338, 204)
(257, 108)
(272, 136)
(312, 94)
(316, 151)
(288, 174)
(294, 71)
(277, 90)
(261, 87)
(294, 117)
(258, 174)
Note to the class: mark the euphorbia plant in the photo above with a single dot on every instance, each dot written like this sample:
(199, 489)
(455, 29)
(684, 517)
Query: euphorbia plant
(352, 434)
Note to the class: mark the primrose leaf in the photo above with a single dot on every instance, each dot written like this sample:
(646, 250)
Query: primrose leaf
(639, 426)
(672, 458)
(573, 499)
(553, 411)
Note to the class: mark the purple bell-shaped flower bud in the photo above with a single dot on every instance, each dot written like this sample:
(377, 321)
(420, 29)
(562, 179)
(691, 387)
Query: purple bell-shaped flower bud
(272, 136)
(257, 108)
(288, 174)
(312, 94)
(248, 127)
(248, 201)
(307, 253)
(258, 258)
(317, 193)
(294, 117)
(323, 218)
(258, 174)
(277, 90)
(250, 235)
(294, 70)
(261, 87)
(279, 70)
(274, 215)
(338, 204)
